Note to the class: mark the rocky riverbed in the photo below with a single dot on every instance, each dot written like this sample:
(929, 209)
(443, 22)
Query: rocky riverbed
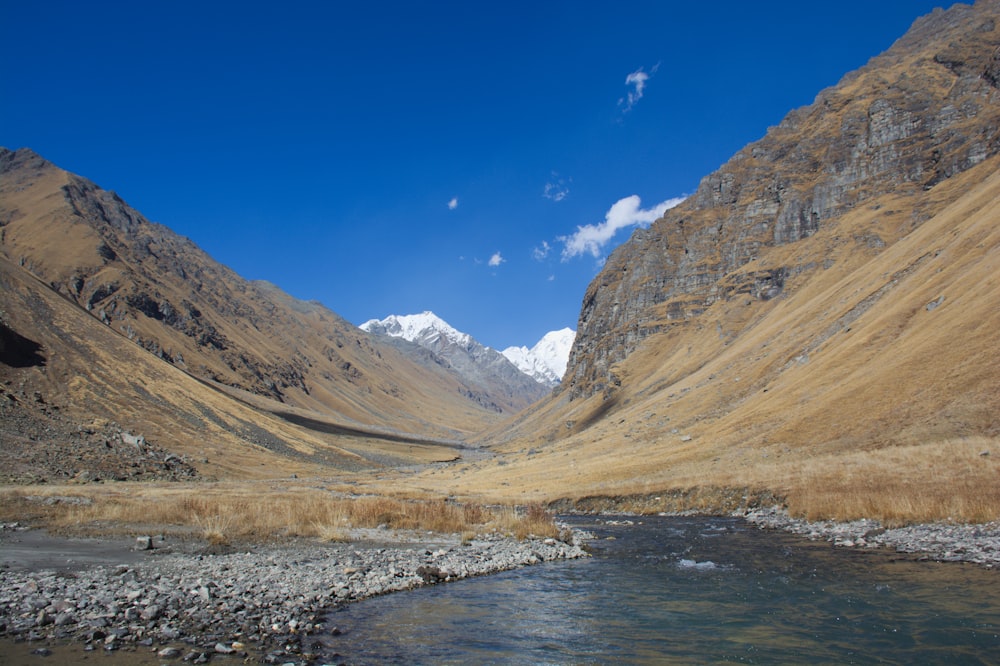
(946, 542)
(268, 600)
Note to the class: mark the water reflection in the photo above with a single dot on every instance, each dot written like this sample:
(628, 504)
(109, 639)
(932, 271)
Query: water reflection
(689, 590)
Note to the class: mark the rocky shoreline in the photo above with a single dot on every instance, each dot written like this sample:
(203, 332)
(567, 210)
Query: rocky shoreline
(944, 542)
(269, 601)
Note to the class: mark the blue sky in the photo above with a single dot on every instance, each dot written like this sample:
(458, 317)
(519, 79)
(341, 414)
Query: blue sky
(474, 159)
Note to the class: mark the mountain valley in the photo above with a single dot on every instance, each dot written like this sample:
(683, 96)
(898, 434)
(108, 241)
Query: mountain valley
(816, 326)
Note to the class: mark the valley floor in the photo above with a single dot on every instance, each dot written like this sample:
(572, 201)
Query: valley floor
(181, 595)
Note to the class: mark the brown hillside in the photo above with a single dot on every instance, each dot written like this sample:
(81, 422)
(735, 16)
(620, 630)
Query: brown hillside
(70, 386)
(167, 296)
(821, 319)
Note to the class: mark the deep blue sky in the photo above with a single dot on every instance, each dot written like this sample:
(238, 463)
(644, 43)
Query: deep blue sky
(319, 145)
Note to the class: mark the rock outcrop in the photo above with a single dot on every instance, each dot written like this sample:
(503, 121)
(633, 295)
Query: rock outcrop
(924, 111)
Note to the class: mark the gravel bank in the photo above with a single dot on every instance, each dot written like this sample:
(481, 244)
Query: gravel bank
(268, 600)
(946, 542)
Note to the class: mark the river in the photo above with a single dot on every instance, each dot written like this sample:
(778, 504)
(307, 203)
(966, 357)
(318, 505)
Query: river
(687, 590)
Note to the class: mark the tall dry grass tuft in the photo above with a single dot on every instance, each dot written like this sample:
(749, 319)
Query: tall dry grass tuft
(531, 521)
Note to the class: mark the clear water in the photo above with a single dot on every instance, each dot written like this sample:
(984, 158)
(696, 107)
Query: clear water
(688, 590)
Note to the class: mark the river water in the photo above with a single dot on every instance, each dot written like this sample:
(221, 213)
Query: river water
(688, 590)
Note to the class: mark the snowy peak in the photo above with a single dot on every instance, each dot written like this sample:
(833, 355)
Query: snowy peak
(422, 328)
(546, 361)
(492, 380)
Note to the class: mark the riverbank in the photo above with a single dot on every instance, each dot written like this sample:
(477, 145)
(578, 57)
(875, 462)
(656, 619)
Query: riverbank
(265, 599)
(944, 542)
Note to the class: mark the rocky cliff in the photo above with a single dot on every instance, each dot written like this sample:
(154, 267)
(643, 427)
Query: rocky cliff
(914, 117)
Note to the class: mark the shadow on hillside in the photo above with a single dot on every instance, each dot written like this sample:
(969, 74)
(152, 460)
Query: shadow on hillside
(336, 429)
(18, 351)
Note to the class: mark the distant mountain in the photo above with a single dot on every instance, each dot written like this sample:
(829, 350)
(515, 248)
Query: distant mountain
(546, 361)
(426, 329)
(502, 385)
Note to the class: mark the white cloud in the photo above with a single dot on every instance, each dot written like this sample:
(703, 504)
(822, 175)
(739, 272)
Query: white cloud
(453, 204)
(542, 251)
(556, 189)
(591, 238)
(637, 80)
(496, 260)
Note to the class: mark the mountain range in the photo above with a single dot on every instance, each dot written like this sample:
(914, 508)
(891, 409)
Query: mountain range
(477, 364)
(818, 322)
(545, 362)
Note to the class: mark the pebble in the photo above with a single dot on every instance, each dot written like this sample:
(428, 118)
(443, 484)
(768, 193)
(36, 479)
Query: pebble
(272, 597)
(945, 542)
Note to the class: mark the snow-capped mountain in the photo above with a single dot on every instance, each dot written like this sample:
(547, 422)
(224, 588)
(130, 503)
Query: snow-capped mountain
(546, 361)
(495, 381)
(426, 329)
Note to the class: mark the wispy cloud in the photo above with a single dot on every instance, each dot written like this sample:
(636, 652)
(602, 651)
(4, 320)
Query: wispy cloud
(453, 204)
(542, 251)
(557, 189)
(637, 82)
(496, 260)
(591, 238)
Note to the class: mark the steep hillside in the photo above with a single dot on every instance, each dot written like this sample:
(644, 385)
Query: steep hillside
(821, 318)
(914, 117)
(169, 298)
(79, 400)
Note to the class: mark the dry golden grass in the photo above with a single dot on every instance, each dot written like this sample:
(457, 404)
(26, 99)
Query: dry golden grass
(239, 512)
(847, 396)
(950, 480)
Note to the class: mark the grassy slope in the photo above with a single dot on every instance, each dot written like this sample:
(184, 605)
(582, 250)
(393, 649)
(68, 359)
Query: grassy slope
(847, 395)
(94, 375)
(271, 344)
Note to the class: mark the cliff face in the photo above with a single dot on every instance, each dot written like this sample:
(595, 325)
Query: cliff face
(926, 110)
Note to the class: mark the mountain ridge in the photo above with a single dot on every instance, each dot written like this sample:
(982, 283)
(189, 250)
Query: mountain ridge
(167, 296)
(503, 386)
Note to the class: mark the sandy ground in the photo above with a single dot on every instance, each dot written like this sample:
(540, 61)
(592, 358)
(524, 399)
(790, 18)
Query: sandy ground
(36, 550)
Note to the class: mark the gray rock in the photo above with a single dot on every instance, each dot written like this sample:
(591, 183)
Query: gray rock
(272, 593)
